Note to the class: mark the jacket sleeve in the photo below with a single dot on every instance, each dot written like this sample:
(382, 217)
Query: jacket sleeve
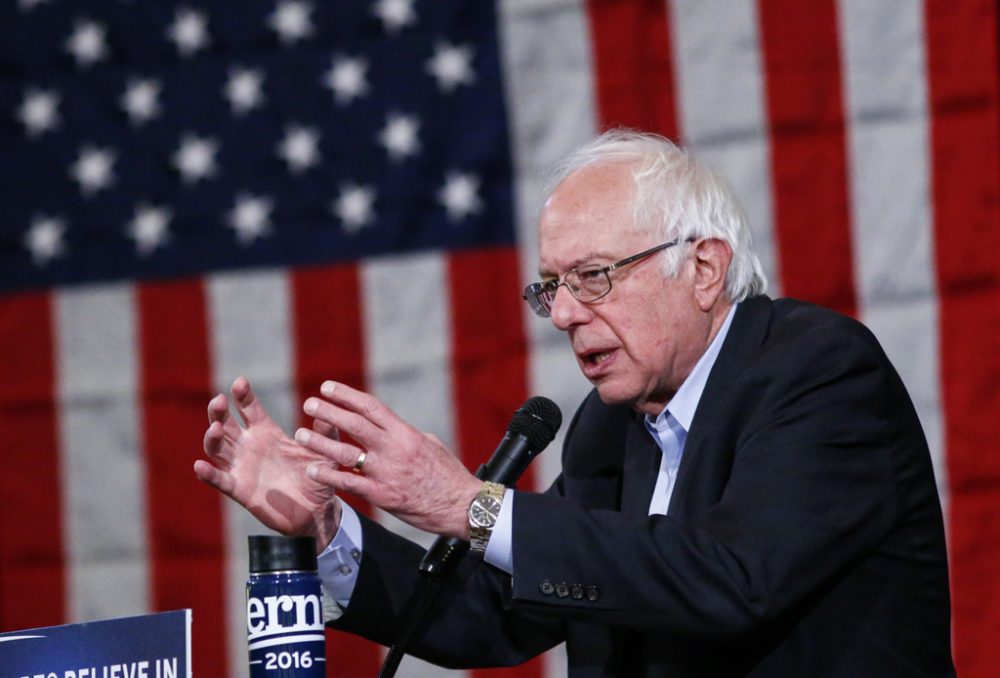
(468, 624)
(816, 429)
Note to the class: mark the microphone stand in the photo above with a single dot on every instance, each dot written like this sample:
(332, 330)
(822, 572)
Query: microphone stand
(436, 567)
(532, 428)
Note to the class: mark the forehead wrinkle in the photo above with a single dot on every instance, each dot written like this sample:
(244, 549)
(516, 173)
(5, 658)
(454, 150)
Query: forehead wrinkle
(574, 212)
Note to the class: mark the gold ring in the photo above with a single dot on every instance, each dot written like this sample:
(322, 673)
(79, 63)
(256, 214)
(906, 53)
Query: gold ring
(360, 463)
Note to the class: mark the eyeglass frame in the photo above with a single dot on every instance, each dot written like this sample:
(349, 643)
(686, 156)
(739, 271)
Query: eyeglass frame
(531, 292)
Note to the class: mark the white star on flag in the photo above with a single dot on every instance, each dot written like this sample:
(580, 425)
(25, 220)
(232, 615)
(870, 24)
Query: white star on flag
(300, 148)
(39, 112)
(399, 136)
(460, 195)
(354, 207)
(141, 101)
(395, 14)
(291, 21)
(44, 239)
(195, 159)
(244, 90)
(251, 217)
(347, 78)
(189, 31)
(28, 5)
(149, 228)
(451, 66)
(93, 169)
(87, 43)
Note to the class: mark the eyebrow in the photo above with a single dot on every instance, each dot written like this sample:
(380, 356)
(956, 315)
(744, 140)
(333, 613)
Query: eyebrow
(587, 258)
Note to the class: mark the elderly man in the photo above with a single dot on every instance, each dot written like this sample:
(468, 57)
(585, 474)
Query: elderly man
(746, 492)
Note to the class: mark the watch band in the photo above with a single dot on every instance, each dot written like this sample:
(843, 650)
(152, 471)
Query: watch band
(483, 514)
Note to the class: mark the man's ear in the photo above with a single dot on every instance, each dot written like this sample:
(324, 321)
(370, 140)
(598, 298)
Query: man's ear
(711, 259)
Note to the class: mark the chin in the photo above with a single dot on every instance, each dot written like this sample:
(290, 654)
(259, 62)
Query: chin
(615, 396)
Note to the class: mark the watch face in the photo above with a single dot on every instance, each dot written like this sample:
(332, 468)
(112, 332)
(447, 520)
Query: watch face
(484, 512)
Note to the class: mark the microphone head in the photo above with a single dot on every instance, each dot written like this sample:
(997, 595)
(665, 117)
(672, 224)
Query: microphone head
(538, 420)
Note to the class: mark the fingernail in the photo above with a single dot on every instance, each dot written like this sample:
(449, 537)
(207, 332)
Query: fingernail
(312, 471)
(302, 436)
(328, 387)
(311, 406)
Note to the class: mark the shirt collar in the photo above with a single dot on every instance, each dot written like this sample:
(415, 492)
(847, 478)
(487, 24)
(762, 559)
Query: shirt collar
(684, 403)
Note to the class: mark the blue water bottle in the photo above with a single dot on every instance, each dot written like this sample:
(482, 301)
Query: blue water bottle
(285, 609)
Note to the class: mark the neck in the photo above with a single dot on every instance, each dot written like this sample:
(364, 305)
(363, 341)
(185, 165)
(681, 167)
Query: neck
(716, 317)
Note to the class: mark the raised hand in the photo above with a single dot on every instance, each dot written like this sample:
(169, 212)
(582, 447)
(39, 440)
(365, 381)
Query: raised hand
(406, 472)
(264, 470)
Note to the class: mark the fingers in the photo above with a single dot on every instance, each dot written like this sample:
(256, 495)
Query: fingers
(326, 429)
(222, 430)
(366, 405)
(218, 409)
(353, 424)
(241, 388)
(218, 444)
(218, 479)
(343, 454)
(247, 404)
(213, 440)
(218, 412)
(342, 481)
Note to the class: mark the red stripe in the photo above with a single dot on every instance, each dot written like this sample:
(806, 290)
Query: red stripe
(187, 542)
(489, 366)
(802, 70)
(329, 344)
(962, 63)
(489, 349)
(633, 65)
(32, 589)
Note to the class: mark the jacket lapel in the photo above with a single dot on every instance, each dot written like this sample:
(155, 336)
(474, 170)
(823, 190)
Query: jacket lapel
(641, 465)
(711, 466)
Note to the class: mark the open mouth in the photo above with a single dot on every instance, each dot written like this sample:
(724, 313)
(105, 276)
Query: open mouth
(595, 363)
(596, 358)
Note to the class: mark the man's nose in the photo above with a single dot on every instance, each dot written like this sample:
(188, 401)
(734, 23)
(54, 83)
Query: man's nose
(567, 310)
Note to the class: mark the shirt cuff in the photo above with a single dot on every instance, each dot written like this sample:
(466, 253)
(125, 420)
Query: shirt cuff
(499, 549)
(340, 561)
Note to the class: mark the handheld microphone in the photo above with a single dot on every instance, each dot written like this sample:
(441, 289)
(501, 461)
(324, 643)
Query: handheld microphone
(531, 429)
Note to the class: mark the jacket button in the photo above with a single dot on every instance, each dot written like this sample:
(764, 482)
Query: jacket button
(576, 591)
(593, 593)
(546, 588)
(562, 590)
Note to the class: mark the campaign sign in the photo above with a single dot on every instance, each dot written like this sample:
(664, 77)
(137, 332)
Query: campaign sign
(148, 646)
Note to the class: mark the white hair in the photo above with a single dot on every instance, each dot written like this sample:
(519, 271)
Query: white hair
(676, 196)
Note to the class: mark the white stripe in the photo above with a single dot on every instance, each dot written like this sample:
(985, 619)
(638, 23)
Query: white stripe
(187, 643)
(886, 95)
(723, 108)
(249, 326)
(549, 76)
(407, 323)
(7, 639)
(405, 301)
(551, 111)
(104, 473)
(288, 640)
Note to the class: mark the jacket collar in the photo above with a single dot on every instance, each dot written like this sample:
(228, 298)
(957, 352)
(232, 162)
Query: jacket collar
(642, 455)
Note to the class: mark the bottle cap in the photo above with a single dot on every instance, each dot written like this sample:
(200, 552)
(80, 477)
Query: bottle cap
(270, 553)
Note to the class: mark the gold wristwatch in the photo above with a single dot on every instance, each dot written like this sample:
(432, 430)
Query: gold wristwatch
(483, 514)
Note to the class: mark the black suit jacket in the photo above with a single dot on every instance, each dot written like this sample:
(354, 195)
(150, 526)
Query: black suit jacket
(804, 535)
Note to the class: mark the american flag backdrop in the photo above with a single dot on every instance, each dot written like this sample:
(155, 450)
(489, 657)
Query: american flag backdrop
(298, 190)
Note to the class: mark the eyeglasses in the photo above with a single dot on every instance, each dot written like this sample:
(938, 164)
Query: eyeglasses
(587, 283)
